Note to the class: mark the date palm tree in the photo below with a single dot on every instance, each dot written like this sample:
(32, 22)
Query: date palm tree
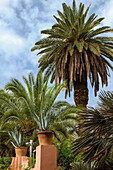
(96, 141)
(13, 112)
(36, 102)
(76, 51)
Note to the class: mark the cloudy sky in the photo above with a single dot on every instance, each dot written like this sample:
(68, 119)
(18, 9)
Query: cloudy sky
(20, 24)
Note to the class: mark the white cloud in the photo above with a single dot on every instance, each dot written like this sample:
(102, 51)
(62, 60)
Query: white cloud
(108, 13)
(4, 3)
(11, 43)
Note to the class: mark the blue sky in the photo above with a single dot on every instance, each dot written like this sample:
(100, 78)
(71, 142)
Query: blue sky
(20, 24)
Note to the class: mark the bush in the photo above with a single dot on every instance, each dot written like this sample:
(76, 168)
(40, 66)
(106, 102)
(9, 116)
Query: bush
(5, 163)
(65, 155)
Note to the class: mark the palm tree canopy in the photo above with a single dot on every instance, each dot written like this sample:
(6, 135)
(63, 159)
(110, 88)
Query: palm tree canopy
(36, 102)
(96, 141)
(11, 108)
(74, 46)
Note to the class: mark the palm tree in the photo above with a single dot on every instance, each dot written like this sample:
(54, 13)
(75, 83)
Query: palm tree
(11, 108)
(75, 51)
(11, 116)
(96, 141)
(37, 103)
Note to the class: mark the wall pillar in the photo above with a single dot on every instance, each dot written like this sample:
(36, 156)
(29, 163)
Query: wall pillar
(46, 158)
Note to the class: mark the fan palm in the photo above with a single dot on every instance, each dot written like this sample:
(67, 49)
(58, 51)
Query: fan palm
(75, 51)
(82, 166)
(37, 102)
(96, 142)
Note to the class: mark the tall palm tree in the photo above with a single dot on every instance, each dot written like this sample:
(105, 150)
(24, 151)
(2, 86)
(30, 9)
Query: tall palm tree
(96, 141)
(75, 50)
(37, 103)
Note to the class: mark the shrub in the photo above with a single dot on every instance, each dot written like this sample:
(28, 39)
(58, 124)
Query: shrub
(65, 156)
(5, 162)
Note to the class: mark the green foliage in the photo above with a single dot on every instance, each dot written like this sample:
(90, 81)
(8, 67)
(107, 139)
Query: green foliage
(6, 149)
(96, 141)
(12, 112)
(36, 102)
(5, 162)
(65, 154)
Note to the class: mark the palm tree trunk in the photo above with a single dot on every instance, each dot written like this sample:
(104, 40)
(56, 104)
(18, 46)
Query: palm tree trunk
(81, 91)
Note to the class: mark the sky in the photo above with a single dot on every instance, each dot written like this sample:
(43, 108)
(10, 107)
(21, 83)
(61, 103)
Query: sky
(20, 24)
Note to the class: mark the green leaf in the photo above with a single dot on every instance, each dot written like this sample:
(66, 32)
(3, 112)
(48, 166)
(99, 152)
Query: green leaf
(74, 8)
(85, 45)
(85, 14)
(61, 15)
(94, 47)
(90, 20)
(94, 24)
(79, 45)
(34, 48)
(71, 50)
(49, 31)
(65, 9)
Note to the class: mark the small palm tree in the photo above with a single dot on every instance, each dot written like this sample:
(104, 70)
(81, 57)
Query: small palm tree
(96, 141)
(37, 101)
(12, 112)
(11, 117)
(75, 51)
